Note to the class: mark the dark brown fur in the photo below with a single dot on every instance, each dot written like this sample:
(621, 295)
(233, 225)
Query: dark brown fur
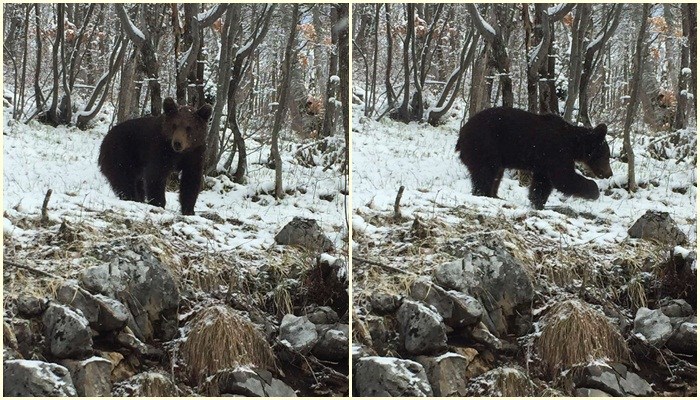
(500, 138)
(138, 155)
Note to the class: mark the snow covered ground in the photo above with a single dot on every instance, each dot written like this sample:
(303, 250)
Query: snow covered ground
(388, 154)
(39, 157)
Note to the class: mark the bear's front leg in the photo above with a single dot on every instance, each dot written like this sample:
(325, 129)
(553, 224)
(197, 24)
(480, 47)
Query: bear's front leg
(155, 181)
(570, 183)
(190, 183)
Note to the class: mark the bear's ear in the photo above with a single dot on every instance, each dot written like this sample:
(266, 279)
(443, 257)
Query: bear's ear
(204, 112)
(169, 106)
(601, 130)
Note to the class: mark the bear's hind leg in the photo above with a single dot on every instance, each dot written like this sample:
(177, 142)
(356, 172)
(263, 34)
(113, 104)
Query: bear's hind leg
(540, 189)
(485, 180)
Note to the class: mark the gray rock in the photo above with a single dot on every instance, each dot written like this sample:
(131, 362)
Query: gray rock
(67, 332)
(139, 280)
(29, 306)
(29, 378)
(653, 326)
(91, 377)
(379, 333)
(299, 332)
(677, 308)
(657, 226)
(104, 314)
(421, 328)
(685, 339)
(323, 315)
(633, 385)
(588, 392)
(333, 344)
(494, 277)
(306, 233)
(389, 376)
(457, 309)
(446, 374)
(384, 303)
(113, 314)
(243, 381)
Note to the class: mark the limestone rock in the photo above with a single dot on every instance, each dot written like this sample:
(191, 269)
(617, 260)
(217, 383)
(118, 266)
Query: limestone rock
(306, 233)
(32, 378)
(421, 328)
(658, 226)
(299, 332)
(389, 376)
(67, 332)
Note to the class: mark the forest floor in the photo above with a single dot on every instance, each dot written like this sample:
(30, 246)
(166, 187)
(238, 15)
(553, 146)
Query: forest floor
(569, 246)
(228, 245)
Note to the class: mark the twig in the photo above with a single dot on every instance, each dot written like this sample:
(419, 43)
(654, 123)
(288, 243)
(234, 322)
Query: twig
(44, 207)
(397, 205)
(30, 269)
(385, 266)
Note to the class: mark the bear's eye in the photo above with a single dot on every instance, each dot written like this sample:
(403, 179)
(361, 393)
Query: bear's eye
(174, 127)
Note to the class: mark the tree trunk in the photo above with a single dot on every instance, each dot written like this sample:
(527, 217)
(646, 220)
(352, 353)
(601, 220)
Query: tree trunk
(283, 99)
(344, 63)
(639, 58)
(588, 67)
(578, 33)
(390, 95)
(404, 114)
(681, 120)
(328, 126)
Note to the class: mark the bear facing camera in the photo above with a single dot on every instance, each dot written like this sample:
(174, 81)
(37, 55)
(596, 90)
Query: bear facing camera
(501, 138)
(138, 155)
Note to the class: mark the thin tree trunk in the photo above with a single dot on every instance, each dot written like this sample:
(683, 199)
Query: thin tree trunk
(327, 128)
(283, 98)
(578, 33)
(639, 58)
(404, 114)
(343, 67)
(681, 121)
(38, 95)
(390, 95)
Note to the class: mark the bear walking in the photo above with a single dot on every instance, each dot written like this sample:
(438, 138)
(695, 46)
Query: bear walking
(499, 138)
(138, 155)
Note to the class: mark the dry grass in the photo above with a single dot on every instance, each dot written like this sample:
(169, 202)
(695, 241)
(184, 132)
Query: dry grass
(155, 385)
(220, 338)
(574, 333)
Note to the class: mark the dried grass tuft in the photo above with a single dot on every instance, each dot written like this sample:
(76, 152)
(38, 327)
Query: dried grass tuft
(220, 338)
(156, 385)
(574, 333)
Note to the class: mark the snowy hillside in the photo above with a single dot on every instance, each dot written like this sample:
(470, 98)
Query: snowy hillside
(389, 154)
(38, 158)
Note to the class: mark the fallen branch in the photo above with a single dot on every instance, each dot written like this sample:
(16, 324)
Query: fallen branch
(30, 269)
(385, 266)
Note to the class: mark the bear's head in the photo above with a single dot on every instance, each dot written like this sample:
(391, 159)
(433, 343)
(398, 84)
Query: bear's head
(598, 152)
(185, 127)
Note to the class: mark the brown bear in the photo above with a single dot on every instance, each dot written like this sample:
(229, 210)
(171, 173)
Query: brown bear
(138, 155)
(499, 138)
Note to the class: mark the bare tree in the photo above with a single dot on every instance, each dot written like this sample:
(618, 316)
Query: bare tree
(681, 119)
(497, 40)
(403, 113)
(580, 26)
(283, 99)
(639, 57)
(344, 71)
(611, 22)
(146, 44)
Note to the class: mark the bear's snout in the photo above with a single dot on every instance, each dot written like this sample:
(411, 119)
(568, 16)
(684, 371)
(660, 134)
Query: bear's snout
(179, 142)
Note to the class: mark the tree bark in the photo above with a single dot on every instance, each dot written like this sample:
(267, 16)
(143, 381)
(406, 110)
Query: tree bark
(680, 120)
(403, 113)
(283, 99)
(639, 58)
(390, 95)
(343, 67)
(580, 26)
(588, 62)
(328, 126)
